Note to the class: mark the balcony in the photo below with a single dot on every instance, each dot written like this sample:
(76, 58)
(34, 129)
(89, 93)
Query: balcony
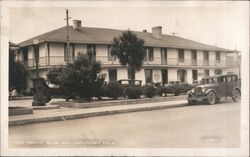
(44, 61)
(59, 60)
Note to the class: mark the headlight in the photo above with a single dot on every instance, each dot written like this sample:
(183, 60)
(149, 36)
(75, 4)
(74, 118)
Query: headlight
(192, 90)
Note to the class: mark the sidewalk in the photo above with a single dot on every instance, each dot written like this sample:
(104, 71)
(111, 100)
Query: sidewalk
(66, 113)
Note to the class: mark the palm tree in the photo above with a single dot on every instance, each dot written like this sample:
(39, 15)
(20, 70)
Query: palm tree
(130, 51)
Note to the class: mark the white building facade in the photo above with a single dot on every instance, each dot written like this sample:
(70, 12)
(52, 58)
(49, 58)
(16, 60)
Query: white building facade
(169, 58)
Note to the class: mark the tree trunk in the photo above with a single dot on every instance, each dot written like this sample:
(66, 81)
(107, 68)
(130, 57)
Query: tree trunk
(132, 72)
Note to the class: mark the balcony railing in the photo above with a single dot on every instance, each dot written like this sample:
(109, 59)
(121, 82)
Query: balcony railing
(44, 61)
(59, 60)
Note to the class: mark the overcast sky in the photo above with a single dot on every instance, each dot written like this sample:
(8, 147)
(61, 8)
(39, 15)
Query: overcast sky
(223, 24)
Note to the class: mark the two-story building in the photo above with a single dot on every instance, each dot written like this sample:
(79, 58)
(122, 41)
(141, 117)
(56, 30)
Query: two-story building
(169, 58)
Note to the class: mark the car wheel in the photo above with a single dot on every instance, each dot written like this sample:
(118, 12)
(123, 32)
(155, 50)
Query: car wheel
(236, 95)
(211, 98)
(191, 102)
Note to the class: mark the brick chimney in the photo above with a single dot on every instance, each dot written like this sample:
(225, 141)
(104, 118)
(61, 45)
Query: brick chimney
(77, 24)
(157, 32)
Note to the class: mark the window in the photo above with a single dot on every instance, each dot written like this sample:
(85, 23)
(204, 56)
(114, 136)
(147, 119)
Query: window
(70, 56)
(25, 53)
(194, 57)
(181, 55)
(110, 56)
(164, 55)
(195, 75)
(217, 72)
(148, 75)
(206, 72)
(215, 80)
(234, 78)
(91, 51)
(112, 75)
(229, 79)
(149, 54)
(217, 57)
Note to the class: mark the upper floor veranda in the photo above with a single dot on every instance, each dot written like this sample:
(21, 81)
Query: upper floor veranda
(54, 53)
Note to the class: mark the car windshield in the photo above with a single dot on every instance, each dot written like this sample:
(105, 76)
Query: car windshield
(208, 80)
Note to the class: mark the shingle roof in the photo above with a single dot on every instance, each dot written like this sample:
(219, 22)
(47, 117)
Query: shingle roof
(105, 36)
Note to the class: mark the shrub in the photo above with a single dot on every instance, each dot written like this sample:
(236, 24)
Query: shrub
(134, 92)
(166, 90)
(80, 77)
(186, 87)
(149, 91)
(114, 90)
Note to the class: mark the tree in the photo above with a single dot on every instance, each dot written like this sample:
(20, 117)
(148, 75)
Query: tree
(80, 77)
(17, 72)
(130, 51)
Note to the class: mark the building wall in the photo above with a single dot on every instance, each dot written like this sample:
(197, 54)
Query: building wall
(140, 75)
(122, 73)
(189, 76)
(172, 74)
(223, 58)
(172, 56)
(57, 58)
(56, 53)
(102, 54)
(42, 50)
(200, 58)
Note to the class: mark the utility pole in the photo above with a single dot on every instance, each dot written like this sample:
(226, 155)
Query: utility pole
(67, 36)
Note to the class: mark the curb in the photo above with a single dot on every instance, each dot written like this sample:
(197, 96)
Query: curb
(22, 98)
(92, 114)
(116, 102)
(20, 111)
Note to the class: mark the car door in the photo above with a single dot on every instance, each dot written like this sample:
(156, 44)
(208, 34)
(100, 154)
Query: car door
(222, 86)
(231, 81)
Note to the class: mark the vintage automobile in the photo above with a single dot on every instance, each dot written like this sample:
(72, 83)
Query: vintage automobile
(213, 88)
(128, 82)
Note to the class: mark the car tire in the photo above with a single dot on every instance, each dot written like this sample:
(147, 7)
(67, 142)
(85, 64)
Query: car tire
(236, 95)
(211, 98)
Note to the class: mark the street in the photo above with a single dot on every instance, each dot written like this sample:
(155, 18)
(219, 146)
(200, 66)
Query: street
(199, 125)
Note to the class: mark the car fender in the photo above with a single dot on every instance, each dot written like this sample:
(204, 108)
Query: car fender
(236, 88)
(211, 90)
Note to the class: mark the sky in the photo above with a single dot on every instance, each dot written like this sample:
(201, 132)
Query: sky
(224, 24)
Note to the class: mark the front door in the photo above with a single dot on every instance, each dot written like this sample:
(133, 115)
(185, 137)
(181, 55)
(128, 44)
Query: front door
(181, 74)
(195, 75)
(112, 75)
(164, 74)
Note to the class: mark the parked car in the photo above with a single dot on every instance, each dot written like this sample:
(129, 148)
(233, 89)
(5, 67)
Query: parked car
(213, 88)
(128, 82)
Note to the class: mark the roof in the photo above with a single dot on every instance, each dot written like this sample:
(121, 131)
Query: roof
(93, 35)
(11, 44)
